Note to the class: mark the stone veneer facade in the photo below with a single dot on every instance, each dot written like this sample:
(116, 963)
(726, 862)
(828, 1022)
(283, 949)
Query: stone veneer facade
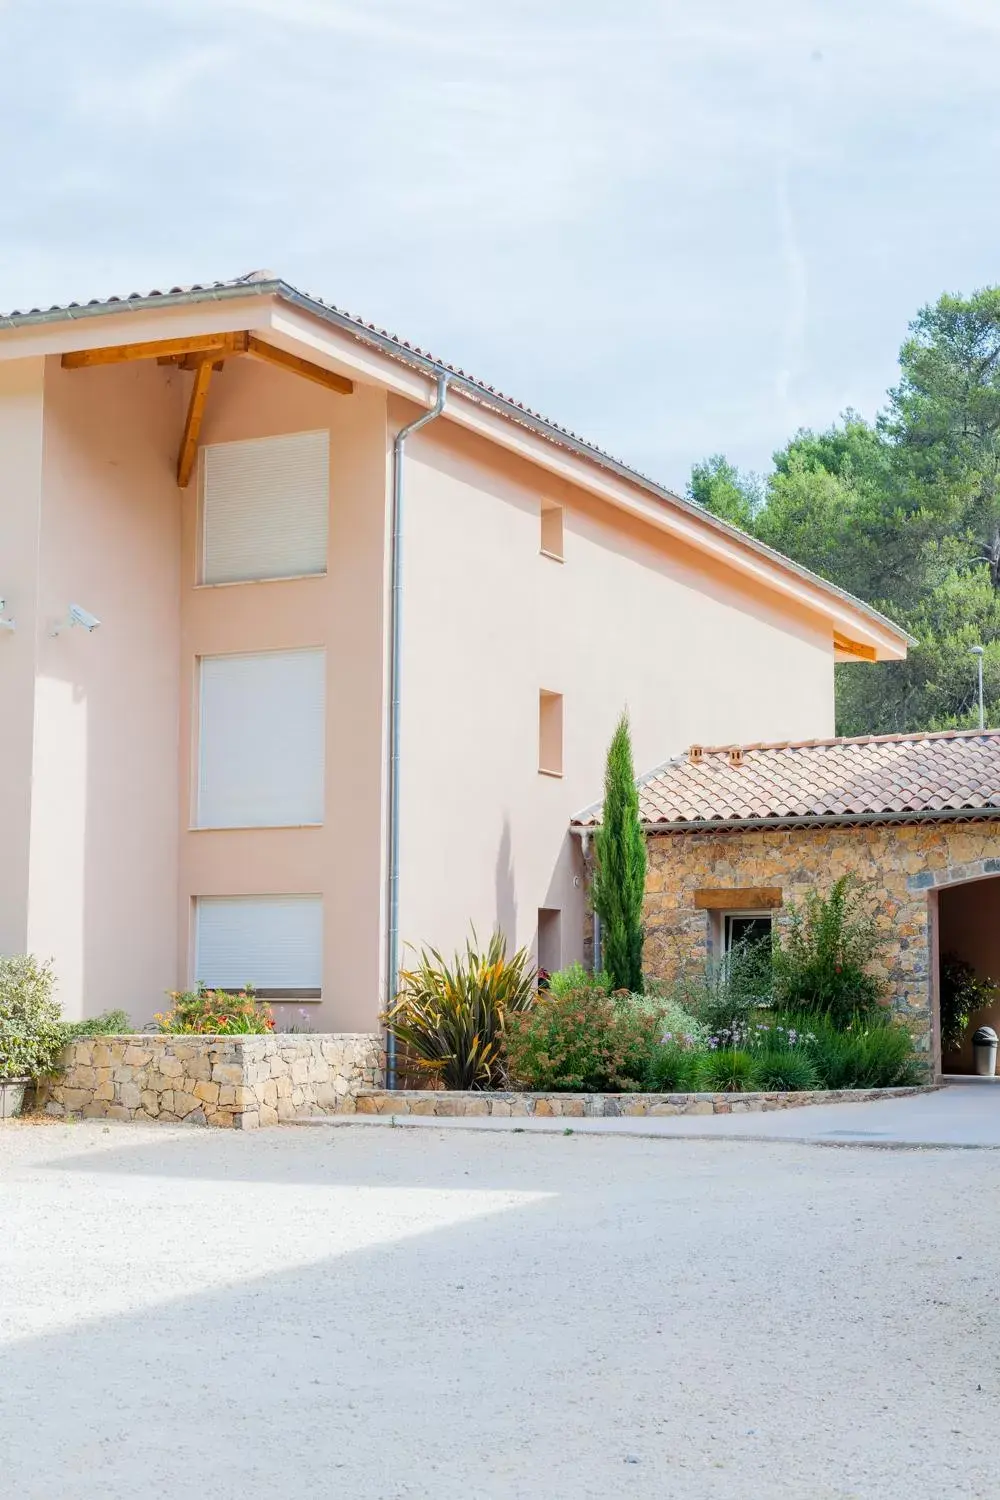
(905, 864)
(239, 1082)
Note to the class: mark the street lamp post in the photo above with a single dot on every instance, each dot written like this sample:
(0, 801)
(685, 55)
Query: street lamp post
(977, 652)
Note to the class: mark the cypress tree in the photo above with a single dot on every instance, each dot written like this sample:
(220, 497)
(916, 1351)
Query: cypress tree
(620, 866)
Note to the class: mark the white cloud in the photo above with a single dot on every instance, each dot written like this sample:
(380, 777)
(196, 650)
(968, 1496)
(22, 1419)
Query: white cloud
(677, 228)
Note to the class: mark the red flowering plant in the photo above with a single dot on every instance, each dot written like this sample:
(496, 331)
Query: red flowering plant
(204, 1012)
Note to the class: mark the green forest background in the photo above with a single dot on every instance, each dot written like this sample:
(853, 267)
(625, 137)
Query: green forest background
(905, 513)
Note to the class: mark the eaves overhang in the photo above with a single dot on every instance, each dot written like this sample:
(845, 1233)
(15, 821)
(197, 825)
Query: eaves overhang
(869, 632)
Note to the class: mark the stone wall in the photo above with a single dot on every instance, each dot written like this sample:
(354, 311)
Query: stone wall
(444, 1104)
(904, 863)
(239, 1082)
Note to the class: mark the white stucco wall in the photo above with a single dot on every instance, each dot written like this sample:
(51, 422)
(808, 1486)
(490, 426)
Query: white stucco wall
(21, 406)
(103, 864)
(628, 619)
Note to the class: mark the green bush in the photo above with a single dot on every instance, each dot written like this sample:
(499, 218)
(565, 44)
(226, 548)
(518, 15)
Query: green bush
(204, 1012)
(452, 1019)
(108, 1023)
(788, 1071)
(30, 1032)
(821, 963)
(677, 1024)
(581, 1040)
(871, 1052)
(726, 1070)
(673, 1068)
(576, 977)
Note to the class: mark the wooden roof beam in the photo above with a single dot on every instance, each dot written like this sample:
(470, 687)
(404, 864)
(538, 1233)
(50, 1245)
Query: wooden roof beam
(192, 427)
(218, 345)
(853, 648)
(296, 366)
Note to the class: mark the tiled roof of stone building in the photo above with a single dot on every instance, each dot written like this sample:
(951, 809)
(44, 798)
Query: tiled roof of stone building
(893, 777)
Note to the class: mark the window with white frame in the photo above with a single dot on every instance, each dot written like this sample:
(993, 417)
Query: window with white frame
(274, 943)
(742, 928)
(265, 508)
(261, 734)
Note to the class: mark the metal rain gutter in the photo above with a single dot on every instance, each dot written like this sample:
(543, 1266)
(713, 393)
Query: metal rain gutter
(395, 685)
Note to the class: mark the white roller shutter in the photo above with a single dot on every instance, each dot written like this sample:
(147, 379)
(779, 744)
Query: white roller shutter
(261, 740)
(265, 508)
(271, 942)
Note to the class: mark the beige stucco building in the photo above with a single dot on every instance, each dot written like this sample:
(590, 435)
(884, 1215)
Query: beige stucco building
(202, 785)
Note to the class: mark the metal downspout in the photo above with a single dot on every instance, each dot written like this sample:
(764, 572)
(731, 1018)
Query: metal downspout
(395, 678)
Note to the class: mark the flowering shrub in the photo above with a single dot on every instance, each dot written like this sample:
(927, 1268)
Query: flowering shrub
(756, 1035)
(581, 1040)
(205, 1012)
(674, 1020)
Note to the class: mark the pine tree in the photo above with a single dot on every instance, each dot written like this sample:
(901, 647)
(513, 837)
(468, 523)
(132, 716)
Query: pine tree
(620, 873)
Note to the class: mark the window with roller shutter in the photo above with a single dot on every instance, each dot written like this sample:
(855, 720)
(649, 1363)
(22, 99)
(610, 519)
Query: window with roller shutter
(274, 943)
(265, 508)
(261, 737)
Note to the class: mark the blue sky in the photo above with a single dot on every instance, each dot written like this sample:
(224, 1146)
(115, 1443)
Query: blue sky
(677, 226)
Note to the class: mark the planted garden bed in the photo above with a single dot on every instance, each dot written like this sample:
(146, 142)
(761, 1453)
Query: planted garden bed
(803, 1016)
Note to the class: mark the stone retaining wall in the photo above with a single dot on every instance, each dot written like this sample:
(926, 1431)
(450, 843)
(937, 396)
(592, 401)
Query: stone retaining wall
(240, 1082)
(444, 1104)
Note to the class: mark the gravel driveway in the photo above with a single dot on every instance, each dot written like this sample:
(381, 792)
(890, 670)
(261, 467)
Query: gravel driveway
(382, 1313)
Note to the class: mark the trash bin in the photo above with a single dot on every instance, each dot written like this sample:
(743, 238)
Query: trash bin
(984, 1051)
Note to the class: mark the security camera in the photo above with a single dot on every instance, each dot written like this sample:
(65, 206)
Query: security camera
(5, 624)
(77, 615)
(80, 616)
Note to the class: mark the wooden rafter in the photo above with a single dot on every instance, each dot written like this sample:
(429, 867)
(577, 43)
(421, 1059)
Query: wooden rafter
(297, 366)
(853, 648)
(192, 427)
(219, 345)
(202, 353)
(192, 361)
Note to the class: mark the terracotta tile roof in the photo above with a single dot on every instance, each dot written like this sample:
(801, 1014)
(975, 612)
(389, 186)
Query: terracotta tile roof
(955, 773)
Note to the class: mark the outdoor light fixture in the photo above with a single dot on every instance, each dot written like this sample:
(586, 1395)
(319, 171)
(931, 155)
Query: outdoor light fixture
(977, 652)
(6, 624)
(77, 615)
